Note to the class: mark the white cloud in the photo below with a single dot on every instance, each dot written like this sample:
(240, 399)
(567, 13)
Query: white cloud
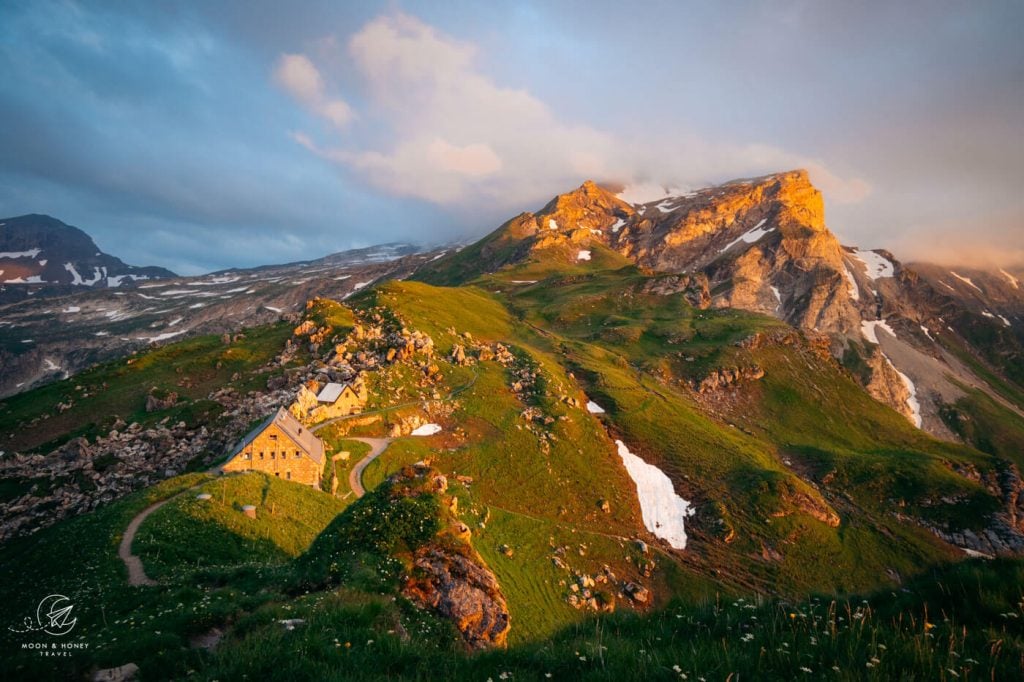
(454, 136)
(300, 77)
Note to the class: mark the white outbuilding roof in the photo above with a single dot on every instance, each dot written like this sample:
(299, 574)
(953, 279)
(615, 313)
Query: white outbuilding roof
(330, 393)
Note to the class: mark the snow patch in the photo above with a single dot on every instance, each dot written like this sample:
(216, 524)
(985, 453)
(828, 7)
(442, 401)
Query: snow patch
(927, 332)
(869, 328)
(663, 511)
(426, 430)
(175, 321)
(50, 365)
(594, 408)
(161, 337)
(618, 225)
(965, 280)
(552, 225)
(912, 401)
(583, 255)
(876, 266)
(778, 297)
(1005, 321)
(72, 309)
(750, 236)
(31, 253)
(1014, 282)
(272, 309)
(853, 289)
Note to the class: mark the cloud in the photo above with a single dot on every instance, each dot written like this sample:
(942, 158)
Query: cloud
(302, 80)
(451, 133)
(447, 133)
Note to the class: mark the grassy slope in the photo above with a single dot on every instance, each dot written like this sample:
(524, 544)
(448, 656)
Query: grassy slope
(630, 354)
(512, 478)
(191, 368)
(190, 533)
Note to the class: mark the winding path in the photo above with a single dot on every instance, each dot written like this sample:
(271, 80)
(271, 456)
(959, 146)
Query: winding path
(355, 477)
(136, 573)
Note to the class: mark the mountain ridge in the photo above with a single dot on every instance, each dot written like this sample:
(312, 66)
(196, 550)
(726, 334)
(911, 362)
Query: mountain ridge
(40, 254)
(763, 245)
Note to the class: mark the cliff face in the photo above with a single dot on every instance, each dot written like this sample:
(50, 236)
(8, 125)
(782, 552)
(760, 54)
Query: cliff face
(762, 244)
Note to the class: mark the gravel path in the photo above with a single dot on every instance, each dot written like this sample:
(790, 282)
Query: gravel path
(355, 477)
(136, 573)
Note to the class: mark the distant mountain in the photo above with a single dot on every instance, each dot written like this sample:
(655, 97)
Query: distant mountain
(47, 338)
(917, 337)
(41, 255)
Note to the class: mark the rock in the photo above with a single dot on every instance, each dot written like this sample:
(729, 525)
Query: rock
(638, 593)
(462, 590)
(155, 403)
(506, 550)
(122, 673)
(604, 506)
(725, 377)
(459, 354)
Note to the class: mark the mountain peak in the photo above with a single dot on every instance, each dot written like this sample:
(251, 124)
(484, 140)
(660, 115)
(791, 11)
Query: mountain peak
(39, 253)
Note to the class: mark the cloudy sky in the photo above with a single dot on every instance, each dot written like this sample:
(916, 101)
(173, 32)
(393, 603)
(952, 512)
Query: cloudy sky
(204, 135)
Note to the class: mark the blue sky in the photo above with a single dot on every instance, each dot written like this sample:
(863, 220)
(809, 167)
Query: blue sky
(203, 135)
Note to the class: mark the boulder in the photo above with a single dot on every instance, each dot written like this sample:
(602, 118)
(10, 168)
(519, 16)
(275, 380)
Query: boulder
(462, 590)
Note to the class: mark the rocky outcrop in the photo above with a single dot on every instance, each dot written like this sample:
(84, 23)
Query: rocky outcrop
(447, 575)
(726, 377)
(884, 383)
(694, 288)
(160, 400)
(460, 587)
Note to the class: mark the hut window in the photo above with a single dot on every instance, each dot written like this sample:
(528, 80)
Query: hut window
(261, 454)
(273, 455)
(288, 475)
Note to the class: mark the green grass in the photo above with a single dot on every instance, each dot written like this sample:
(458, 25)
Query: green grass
(189, 533)
(761, 462)
(191, 368)
(960, 623)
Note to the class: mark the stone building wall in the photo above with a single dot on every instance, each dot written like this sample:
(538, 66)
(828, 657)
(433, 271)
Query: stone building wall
(275, 454)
